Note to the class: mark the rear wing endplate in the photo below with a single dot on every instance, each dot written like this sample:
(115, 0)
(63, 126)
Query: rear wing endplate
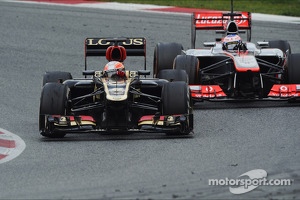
(218, 21)
(97, 46)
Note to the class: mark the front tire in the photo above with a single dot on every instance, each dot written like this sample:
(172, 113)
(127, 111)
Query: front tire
(176, 101)
(283, 45)
(52, 102)
(56, 77)
(293, 68)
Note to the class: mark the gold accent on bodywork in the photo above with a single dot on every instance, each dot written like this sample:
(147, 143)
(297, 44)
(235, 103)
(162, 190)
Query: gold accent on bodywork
(110, 97)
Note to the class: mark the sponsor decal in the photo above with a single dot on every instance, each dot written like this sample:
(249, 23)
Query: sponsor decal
(217, 19)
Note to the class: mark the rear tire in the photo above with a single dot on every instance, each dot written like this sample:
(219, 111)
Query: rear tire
(173, 75)
(164, 54)
(190, 64)
(53, 102)
(293, 68)
(56, 77)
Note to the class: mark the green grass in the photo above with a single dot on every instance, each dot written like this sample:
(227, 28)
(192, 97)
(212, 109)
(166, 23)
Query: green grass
(277, 7)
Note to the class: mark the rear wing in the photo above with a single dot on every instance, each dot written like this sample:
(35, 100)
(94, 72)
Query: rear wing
(218, 21)
(97, 47)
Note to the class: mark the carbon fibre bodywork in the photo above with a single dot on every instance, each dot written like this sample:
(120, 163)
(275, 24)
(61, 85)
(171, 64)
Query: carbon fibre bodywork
(98, 103)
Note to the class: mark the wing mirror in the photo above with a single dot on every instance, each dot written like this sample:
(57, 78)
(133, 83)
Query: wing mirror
(88, 72)
(143, 72)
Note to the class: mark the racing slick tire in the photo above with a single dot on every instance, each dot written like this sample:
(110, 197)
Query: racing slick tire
(56, 77)
(173, 75)
(190, 64)
(283, 45)
(164, 54)
(53, 102)
(176, 101)
(293, 68)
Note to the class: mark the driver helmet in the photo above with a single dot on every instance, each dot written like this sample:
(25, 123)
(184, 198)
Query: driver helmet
(231, 42)
(114, 70)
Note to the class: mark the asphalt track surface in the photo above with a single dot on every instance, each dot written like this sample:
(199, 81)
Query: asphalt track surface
(229, 140)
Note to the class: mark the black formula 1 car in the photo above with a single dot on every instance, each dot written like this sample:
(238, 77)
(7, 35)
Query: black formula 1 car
(113, 99)
(229, 68)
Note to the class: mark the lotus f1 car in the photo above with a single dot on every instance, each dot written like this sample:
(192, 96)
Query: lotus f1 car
(229, 68)
(113, 99)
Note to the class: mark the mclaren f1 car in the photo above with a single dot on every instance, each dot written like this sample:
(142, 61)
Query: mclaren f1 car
(113, 99)
(229, 68)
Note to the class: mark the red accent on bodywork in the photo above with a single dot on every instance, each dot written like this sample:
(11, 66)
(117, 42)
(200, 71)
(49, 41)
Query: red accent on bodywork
(83, 117)
(115, 53)
(206, 91)
(287, 90)
(149, 118)
(87, 118)
(2, 156)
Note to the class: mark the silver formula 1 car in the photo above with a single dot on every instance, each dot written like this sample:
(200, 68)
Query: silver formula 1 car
(229, 68)
(113, 99)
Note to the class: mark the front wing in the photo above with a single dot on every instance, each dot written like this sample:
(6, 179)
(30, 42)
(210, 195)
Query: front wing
(214, 92)
(150, 123)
